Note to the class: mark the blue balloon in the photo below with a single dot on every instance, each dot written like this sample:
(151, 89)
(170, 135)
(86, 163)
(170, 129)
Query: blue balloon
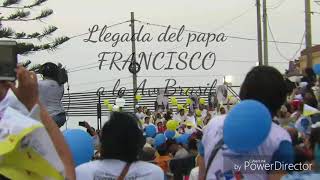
(159, 140)
(246, 126)
(316, 69)
(183, 139)
(151, 131)
(169, 134)
(80, 144)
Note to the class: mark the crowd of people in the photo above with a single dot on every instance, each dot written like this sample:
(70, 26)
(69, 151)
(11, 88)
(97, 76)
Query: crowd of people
(170, 142)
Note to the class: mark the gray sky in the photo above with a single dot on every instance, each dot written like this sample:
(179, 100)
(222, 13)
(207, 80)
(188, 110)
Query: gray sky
(76, 16)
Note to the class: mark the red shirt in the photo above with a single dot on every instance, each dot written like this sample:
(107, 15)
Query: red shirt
(161, 129)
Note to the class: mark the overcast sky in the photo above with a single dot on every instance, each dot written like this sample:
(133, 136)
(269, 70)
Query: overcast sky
(232, 17)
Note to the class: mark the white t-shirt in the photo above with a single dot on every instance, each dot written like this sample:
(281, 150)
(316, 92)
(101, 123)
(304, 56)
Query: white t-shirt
(194, 174)
(14, 123)
(111, 169)
(50, 94)
(140, 115)
(191, 119)
(10, 100)
(179, 118)
(225, 159)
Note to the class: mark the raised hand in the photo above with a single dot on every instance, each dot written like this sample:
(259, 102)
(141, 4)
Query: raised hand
(27, 90)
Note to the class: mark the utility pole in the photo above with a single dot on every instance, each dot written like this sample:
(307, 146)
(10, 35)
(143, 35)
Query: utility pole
(133, 61)
(258, 4)
(265, 33)
(308, 32)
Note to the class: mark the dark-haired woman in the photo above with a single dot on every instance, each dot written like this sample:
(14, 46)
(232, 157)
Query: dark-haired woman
(51, 92)
(266, 85)
(121, 142)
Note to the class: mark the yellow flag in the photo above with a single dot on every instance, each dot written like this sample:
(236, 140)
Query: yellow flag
(25, 162)
(308, 110)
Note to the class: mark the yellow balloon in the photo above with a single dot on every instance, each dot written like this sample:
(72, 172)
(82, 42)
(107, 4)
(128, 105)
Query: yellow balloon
(106, 102)
(172, 125)
(173, 101)
(179, 106)
(202, 101)
(188, 101)
(138, 97)
(198, 112)
(199, 122)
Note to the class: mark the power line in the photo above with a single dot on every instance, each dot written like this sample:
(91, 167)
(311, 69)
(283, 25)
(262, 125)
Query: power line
(113, 25)
(233, 19)
(83, 69)
(280, 3)
(75, 36)
(220, 27)
(88, 68)
(278, 49)
(233, 37)
(73, 68)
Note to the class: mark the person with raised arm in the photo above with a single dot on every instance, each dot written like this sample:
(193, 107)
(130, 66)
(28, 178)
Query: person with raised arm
(23, 116)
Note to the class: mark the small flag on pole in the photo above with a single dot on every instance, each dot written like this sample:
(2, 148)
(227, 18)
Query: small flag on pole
(308, 110)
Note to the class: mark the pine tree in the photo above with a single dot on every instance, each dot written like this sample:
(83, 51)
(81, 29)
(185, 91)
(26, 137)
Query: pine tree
(21, 13)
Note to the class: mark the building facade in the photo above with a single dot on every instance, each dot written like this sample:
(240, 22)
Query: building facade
(315, 57)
